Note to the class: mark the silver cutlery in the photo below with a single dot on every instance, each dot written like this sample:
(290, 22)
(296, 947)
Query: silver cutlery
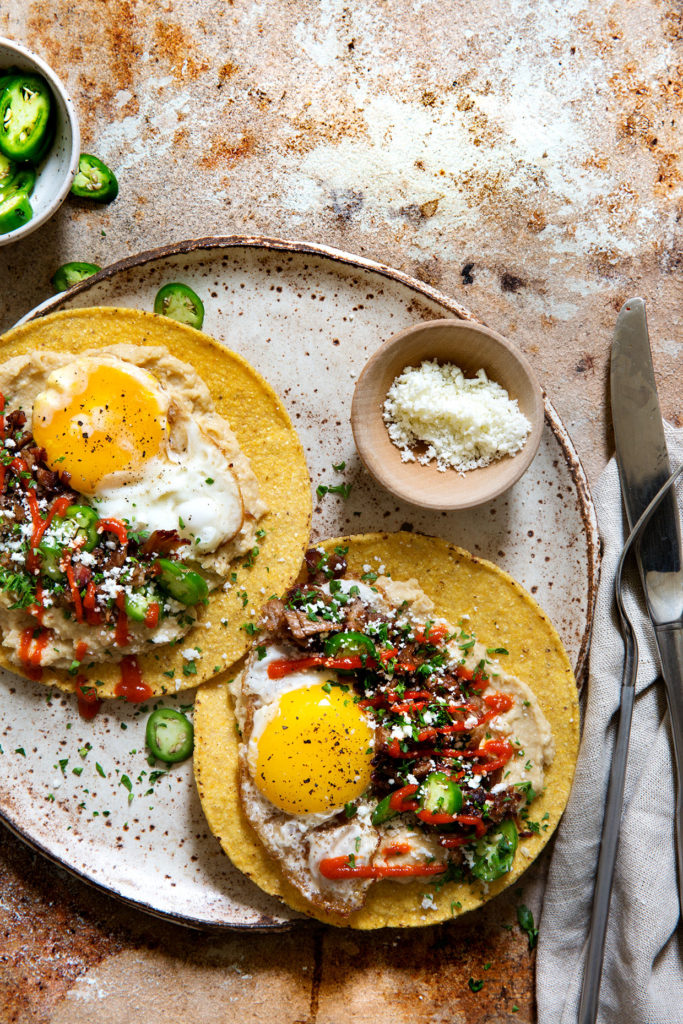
(646, 483)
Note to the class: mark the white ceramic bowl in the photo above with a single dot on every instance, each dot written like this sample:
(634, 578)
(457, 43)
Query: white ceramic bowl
(56, 172)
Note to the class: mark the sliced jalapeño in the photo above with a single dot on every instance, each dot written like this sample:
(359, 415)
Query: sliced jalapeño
(169, 735)
(495, 852)
(184, 584)
(179, 302)
(440, 795)
(25, 121)
(94, 180)
(70, 274)
(350, 644)
(15, 211)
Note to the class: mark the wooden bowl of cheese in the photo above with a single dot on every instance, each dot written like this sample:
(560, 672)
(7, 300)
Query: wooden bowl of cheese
(447, 415)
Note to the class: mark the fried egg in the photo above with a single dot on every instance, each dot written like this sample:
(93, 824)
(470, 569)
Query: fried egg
(311, 745)
(308, 753)
(131, 448)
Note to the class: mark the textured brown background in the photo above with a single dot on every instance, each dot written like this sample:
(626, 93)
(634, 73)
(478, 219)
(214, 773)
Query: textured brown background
(522, 156)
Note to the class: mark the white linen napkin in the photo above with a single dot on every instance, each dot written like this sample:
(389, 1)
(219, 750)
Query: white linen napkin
(642, 981)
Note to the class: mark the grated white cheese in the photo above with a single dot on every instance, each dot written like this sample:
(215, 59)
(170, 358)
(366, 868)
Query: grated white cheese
(466, 422)
(191, 653)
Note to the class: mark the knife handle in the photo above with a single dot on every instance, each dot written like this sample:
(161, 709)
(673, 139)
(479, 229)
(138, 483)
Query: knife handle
(670, 643)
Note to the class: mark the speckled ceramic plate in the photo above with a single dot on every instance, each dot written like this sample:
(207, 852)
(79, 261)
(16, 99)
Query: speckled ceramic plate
(307, 317)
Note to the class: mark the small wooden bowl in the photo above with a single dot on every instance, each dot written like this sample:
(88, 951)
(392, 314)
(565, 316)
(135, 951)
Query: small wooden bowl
(471, 347)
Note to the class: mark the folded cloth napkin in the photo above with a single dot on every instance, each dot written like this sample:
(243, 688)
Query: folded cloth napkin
(642, 980)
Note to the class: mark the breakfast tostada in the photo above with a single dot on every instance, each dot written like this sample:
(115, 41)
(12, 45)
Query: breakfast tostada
(154, 493)
(400, 741)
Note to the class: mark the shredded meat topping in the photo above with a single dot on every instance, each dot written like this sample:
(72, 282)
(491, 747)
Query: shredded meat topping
(421, 700)
(138, 555)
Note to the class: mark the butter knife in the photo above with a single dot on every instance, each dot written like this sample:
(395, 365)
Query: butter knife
(643, 463)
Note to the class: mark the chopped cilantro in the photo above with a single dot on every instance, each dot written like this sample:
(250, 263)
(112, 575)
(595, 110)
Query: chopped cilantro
(343, 490)
(475, 985)
(527, 789)
(21, 586)
(526, 923)
(251, 558)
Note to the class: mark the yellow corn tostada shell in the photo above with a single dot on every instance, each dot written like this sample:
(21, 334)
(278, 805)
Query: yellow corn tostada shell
(265, 435)
(501, 614)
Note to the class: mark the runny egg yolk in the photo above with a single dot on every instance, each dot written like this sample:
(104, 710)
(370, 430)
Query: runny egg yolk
(97, 418)
(315, 753)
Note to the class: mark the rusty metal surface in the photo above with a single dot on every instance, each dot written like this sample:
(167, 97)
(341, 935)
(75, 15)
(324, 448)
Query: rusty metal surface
(69, 956)
(519, 156)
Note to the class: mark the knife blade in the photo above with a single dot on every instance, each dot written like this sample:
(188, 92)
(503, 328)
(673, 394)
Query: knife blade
(643, 463)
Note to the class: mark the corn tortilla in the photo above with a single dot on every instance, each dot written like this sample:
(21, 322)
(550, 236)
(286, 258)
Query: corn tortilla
(266, 436)
(501, 614)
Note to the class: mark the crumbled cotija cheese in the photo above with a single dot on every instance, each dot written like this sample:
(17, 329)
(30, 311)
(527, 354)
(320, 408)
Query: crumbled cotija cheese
(466, 422)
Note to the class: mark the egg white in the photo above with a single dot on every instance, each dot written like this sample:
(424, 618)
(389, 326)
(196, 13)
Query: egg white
(192, 491)
(188, 486)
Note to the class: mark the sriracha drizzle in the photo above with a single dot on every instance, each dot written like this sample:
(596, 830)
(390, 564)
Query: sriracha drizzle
(131, 685)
